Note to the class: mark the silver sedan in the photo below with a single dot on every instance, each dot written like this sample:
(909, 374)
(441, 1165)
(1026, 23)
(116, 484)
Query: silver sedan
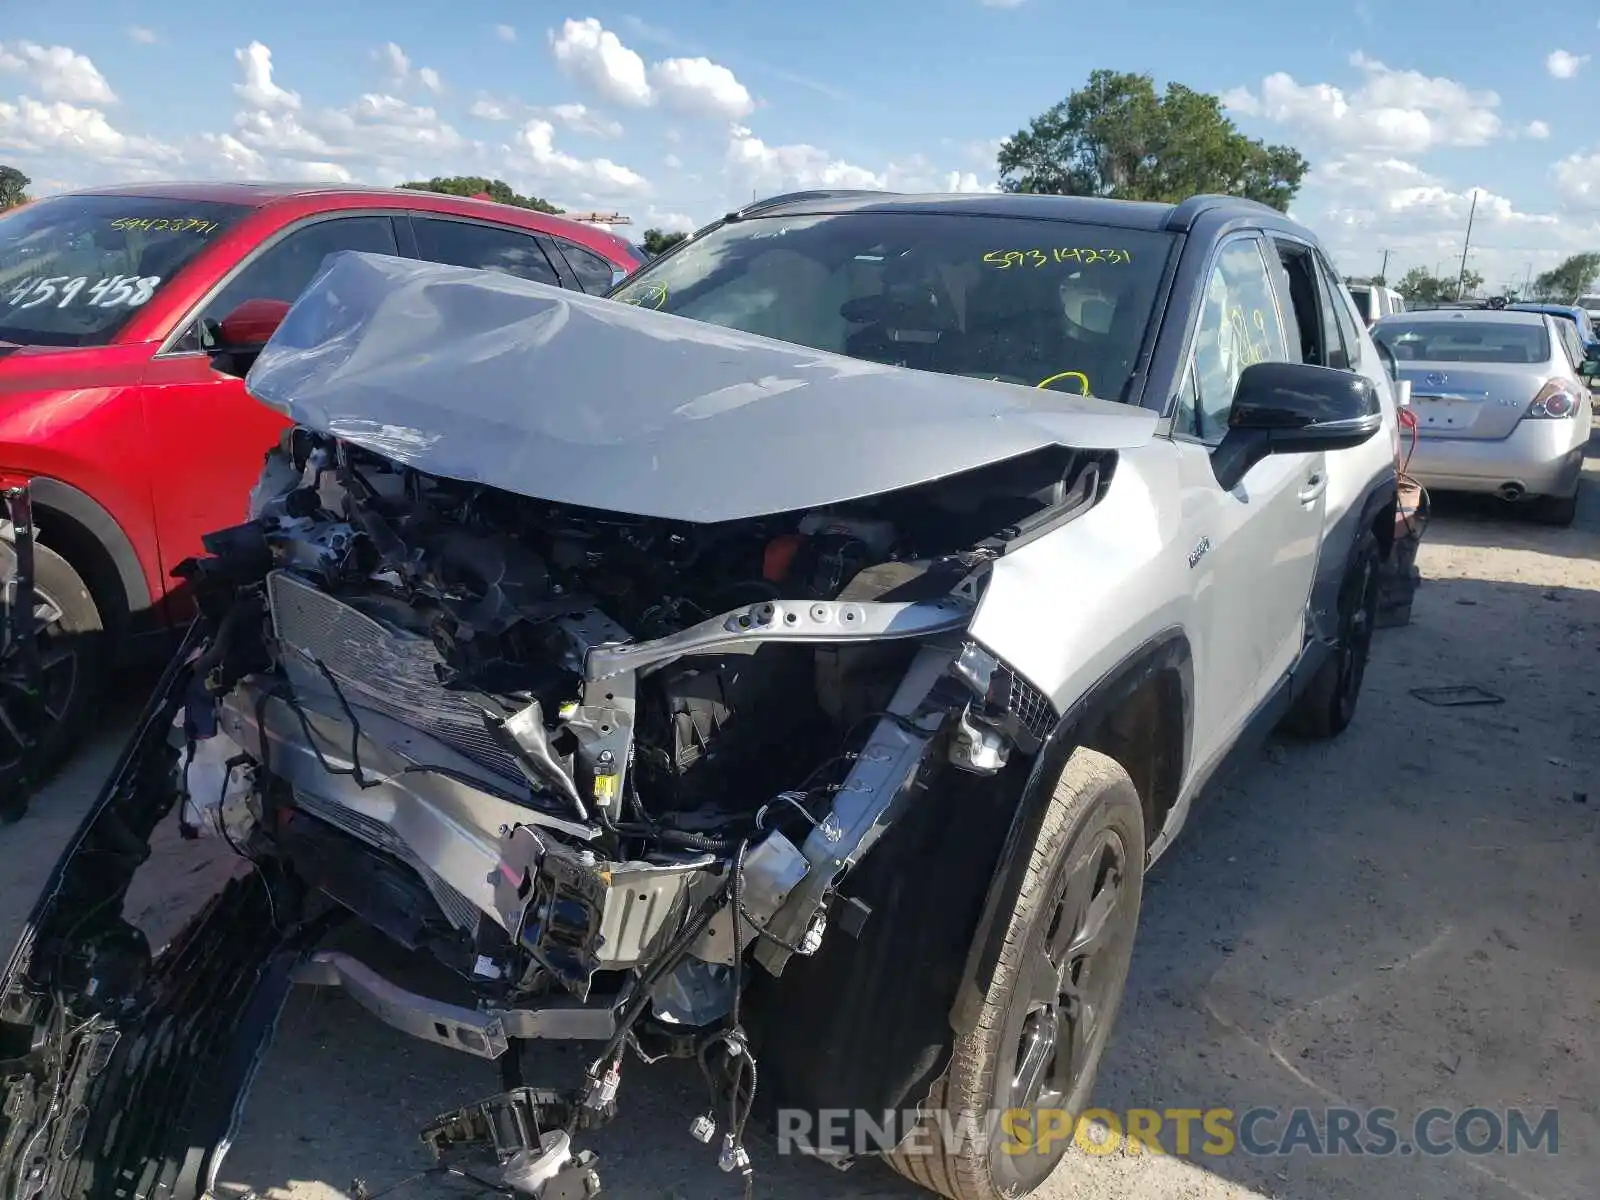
(1502, 404)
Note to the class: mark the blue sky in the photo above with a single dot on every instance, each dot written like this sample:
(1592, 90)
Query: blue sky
(672, 113)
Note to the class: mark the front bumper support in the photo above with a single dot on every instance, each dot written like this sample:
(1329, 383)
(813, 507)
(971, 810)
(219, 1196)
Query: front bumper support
(482, 1033)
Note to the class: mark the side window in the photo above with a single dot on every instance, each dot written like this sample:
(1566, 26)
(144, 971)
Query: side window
(282, 270)
(485, 247)
(594, 273)
(1570, 340)
(1344, 314)
(1336, 351)
(1239, 326)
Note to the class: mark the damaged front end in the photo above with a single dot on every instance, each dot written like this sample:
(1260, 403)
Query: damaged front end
(603, 768)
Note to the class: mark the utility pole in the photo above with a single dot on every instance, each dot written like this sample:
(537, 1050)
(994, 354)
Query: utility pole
(1461, 278)
(1384, 273)
(1527, 283)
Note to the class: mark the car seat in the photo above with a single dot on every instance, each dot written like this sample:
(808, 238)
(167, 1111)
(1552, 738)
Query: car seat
(1016, 326)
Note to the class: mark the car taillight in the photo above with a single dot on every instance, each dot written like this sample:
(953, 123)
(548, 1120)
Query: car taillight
(1555, 400)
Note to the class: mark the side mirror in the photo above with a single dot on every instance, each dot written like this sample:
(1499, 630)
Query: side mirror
(237, 339)
(1590, 368)
(1294, 408)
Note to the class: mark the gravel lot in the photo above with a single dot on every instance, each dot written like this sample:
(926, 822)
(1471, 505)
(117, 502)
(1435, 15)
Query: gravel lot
(1404, 918)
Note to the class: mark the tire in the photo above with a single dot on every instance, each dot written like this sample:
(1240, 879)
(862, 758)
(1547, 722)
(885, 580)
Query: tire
(1555, 510)
(1326, 708)
(1091, 837)
(72, 651)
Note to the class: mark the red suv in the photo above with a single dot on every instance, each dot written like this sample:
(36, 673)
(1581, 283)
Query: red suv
(132, 445)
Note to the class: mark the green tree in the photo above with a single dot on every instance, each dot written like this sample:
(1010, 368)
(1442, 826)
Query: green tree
(1116, 137)
(472, 185)
(1571, 279)
(13, 187)
(656, 241)
(1421, 286)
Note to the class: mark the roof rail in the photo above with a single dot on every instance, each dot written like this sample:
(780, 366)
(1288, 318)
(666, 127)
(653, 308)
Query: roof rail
(1187, 212)
(770, 202)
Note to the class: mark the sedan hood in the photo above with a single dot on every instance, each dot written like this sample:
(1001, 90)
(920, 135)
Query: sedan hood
(489, 378)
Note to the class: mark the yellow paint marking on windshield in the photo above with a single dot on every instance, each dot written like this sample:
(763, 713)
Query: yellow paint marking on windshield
(651, 295)
(1057, 378)
(166, 224)
(1080, 255)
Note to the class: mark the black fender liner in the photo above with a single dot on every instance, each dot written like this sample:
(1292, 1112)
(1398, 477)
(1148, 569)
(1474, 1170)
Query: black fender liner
(122, 1071)
(1167, 651)
(1322, 612)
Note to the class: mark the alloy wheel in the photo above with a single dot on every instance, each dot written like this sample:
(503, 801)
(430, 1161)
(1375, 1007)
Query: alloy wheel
(1071, 982)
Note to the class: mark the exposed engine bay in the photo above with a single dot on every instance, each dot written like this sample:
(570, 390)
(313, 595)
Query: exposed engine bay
(603, 768)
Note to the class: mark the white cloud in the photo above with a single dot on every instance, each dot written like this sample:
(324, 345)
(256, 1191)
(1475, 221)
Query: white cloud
(673, 162)
(1538, 130)
(599, 177)
(232, 154)
(58, 72)
(1578, 177)
(670, 222)
(258, 90)
(755, 166)
(1564, 65)
(700, 87)
(145, 37)
(1002, 3)
(505, 33)
(38, 126)
(581, 119)
(919, 174)
(1363, 204)
(591, 53)
(487, 108)
(1394, 110)
(395, 63)
(399, 74)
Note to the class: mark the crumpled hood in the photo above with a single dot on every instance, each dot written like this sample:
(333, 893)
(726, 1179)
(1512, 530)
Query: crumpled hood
(493, 379)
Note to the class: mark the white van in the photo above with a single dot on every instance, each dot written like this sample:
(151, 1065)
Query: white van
(1374, 302)
(1591, 302)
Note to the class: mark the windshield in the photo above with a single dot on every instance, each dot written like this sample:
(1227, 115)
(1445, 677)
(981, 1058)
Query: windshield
(1047, 304)
(1465, 341)
(73, 269)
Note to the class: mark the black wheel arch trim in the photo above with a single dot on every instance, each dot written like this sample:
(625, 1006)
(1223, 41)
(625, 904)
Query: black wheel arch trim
(1168, 650)
(1322, 610)
(86, 511)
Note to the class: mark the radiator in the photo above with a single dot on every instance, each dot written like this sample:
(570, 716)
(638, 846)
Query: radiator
(378, 667)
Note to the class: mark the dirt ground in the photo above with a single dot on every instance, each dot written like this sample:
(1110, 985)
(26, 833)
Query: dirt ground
(1404, 918)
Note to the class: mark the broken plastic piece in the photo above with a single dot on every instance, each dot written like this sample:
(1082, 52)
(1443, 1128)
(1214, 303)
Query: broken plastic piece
(733, 1156)
(527, 1171)
(1456, 697)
